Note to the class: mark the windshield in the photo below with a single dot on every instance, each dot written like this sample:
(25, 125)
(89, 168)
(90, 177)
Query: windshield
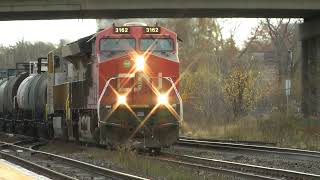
(117, 44)
(163, 44)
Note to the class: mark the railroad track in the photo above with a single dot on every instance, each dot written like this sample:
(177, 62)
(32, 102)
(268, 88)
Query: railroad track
(296, 154)
(47, 163)
(224, 167)
(236, 169)
(231, 141)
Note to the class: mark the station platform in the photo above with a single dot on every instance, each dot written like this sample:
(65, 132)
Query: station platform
(9, 171)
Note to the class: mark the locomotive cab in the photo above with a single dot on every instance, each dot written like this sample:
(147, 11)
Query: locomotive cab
(139, 100)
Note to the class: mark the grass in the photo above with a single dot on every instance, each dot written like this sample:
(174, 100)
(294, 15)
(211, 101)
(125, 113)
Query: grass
(129, 161)
(291, 131)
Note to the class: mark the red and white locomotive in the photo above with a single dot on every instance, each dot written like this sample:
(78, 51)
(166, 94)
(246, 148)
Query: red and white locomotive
(117, 86)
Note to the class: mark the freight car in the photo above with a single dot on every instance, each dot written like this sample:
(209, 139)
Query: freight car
(14, 116)
(117, 86)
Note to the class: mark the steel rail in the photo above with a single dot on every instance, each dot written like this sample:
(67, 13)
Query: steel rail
(79, 164)
(238, 169)
(231, 141)
(25, 142)
(34, 167)
(285, 152)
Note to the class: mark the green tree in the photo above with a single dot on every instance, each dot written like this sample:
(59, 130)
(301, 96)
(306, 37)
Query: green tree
(23, 51)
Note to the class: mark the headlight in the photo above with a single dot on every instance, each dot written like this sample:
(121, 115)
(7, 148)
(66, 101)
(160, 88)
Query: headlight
(140, 63)
(122, 99)
(162, 99)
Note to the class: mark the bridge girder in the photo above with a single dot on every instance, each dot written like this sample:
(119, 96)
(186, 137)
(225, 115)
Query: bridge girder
(67, 9)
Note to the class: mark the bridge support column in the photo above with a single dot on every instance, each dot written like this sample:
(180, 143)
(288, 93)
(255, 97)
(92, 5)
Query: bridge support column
(310, 37)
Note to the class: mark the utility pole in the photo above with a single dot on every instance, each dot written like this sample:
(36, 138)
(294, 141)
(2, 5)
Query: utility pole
(288, 80)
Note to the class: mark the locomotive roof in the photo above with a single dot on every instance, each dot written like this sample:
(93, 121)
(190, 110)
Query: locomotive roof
(80, 47)
(87, 39)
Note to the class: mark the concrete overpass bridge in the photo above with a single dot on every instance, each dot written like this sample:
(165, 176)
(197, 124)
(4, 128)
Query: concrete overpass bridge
(53, 9)
(307, 9)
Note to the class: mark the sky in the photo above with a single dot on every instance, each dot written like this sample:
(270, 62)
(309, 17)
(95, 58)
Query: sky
(54, 30)
(241, 28)
(45, 30)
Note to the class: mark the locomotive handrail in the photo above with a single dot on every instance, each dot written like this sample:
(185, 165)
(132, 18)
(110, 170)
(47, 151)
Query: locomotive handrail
(178, 95)
(100, 97)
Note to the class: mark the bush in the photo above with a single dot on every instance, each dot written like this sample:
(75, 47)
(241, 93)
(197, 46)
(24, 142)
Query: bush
(293, 131)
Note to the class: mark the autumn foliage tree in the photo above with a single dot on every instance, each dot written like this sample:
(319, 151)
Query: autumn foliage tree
(245, 86)
(239, 90)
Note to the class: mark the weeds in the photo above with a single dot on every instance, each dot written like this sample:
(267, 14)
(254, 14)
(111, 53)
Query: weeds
(124, 159)
(129, 159)
(292, 131)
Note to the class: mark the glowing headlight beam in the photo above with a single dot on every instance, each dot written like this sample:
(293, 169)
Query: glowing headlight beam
(140, 60)
(140, 64)
(162, 99)
(115, 107)
(122, 99)
(117, 104)
(167, 105)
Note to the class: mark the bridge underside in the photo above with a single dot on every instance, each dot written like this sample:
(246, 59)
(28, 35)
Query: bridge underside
(67, 9)
(157, 13)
